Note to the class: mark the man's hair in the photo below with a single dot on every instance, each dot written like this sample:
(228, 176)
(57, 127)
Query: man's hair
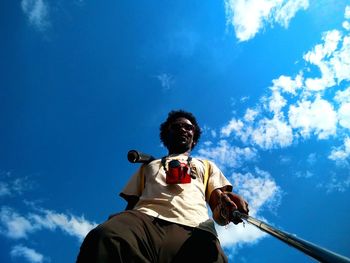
(172, 116)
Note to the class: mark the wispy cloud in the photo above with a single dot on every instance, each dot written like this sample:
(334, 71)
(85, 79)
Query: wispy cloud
(11, 185)
(304, 174)
(37, 12)
(26, 253)
(16, 226)
(4, 189)
(336, 185)
(166, 81)
(5, 186)
(79, 2)
(311, 159)
(72, 225)
(248, 17)
(342, 153)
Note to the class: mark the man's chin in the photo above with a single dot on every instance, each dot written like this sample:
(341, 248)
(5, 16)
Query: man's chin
(181, 148)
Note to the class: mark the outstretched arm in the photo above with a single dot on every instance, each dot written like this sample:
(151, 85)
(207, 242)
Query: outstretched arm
(223, 203)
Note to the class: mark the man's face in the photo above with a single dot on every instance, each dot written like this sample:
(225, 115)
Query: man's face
(181, 132)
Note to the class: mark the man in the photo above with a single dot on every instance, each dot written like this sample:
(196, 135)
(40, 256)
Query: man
(167, 219)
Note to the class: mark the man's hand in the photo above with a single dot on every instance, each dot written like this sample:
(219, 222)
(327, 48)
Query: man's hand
(223, 203)
(231, 202)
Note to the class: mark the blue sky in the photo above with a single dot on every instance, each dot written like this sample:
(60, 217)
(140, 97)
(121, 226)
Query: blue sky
(83, 82)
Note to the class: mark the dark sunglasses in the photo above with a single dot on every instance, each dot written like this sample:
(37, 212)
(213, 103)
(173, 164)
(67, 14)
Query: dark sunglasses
(179, 126)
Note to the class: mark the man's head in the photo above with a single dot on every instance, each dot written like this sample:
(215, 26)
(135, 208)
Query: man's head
(180, 132)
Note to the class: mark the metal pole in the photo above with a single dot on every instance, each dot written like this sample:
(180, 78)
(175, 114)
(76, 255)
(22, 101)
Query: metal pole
(318, 253)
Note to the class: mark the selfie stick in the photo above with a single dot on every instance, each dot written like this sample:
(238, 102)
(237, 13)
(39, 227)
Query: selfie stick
(318, 253)
(139, 157)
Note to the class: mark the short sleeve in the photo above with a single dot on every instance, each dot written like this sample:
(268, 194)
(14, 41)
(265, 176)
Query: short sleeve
(134, 185)
(216, 180)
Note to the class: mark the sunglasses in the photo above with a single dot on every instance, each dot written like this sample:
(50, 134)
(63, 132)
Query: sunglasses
(180, 125)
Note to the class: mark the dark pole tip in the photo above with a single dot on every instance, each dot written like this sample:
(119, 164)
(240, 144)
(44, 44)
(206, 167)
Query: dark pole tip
(133, 156)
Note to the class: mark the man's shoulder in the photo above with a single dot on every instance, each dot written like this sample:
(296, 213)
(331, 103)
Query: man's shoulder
(203, 161)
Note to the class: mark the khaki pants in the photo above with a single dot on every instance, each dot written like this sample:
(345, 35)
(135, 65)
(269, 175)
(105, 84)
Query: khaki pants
(132, 236)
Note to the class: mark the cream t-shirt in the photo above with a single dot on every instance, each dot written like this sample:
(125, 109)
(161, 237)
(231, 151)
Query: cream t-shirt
(178, 203)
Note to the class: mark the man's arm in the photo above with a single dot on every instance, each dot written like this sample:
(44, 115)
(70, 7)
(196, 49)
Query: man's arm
(223, 203)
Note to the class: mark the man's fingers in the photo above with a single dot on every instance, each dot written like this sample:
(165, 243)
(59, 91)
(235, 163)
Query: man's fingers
(228, 201)
(234, 202)
(240, 203)
(244, 207)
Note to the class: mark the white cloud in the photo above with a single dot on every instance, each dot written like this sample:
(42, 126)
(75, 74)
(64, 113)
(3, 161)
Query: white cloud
(233, 126)
(239, 235)
(333, 62)
(346, 25)
(287, 84)
(303, 105)
(340, 62)
(344, 115)
(342, 153)
(301, 99)
(250, 115)
(286, 12)
(272, 133)
(260, 190)
(318, 56)
(321, 51)
(342, 96)
(264, 132)
(72, 225)
(316, 117)
(226, 155)
(312, 104)
(16, 226)
(29, 254)
(248, 17)
(276, 102)
(347, 12)
(37, 12)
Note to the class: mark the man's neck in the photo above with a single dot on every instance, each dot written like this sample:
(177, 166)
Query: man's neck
(179, 152)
